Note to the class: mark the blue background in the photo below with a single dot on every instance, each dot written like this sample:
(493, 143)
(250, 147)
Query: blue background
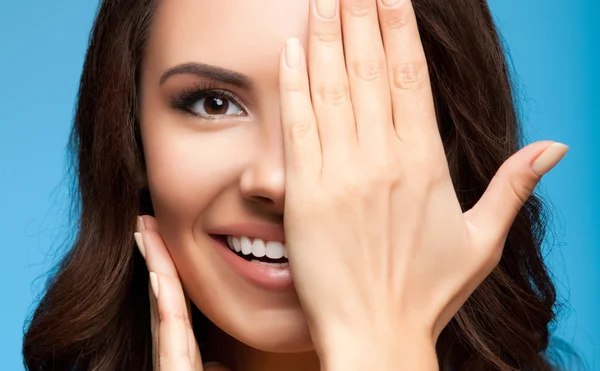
(554, 46)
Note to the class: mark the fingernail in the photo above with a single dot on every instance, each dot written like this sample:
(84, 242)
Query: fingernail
(390, 2)
(154, 284)
(327, 9)
(140, 224)
(292, 53)
(549, 158)
(140, 243)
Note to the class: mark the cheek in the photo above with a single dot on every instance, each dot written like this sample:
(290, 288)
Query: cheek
(187, 169)
(183, 176)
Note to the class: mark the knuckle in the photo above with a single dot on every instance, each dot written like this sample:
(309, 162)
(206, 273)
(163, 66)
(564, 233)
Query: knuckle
(437, 176)
(294, 86)
(369, 70)
(170, 315)
(351, 189)
(333, 94)
(383, 163)
(421, 160)
(410, 76)
(434, 175)
(431, 170)
(300, 128)
(166, 358)
(359, 8)
(339, 191)
(397, 18)
(168, 354)
(521, 189)
(328, 36)
(384, 173)
(378, 177)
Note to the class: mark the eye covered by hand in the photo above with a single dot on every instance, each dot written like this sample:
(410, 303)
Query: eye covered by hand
(379, 248)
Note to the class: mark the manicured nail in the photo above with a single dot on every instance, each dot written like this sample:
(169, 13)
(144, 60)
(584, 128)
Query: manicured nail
(139, 241)
(549, 158)
(140, 224)
(154, 284)
(327, 9)
(390, 2)
(293, 56)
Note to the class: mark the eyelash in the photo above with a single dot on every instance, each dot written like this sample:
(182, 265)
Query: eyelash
(185, 99)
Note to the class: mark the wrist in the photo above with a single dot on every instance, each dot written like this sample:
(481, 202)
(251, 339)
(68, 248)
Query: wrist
(399, 351)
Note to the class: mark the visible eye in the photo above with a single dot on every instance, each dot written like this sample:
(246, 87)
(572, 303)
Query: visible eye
(216, 105)
(209, 104)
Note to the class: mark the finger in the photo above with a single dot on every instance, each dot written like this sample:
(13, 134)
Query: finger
(154, 318)
(329, 82)
(302, 147)
(367, 73)
(491, 218)
(147, 222)
(154, 323)
(412, 98)
(162, 262)
(156, 253)
(159, 260)
(173, 344)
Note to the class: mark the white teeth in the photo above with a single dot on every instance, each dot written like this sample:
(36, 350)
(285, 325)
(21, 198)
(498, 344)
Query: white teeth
(237, 244)
(257, 247)
(274, 250)
(274, 265)
(246, 245)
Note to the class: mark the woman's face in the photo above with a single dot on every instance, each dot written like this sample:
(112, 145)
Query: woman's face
(215, 161)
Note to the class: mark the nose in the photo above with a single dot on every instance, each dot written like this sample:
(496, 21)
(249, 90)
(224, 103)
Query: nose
(263, 180)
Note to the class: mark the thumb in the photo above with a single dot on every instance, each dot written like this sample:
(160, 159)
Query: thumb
(510, 188)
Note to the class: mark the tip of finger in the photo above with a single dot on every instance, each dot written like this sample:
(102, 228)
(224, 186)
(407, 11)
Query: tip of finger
(148, 222)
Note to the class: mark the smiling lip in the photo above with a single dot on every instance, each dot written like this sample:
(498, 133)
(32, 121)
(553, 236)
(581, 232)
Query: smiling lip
(261, 275)
(266, 232)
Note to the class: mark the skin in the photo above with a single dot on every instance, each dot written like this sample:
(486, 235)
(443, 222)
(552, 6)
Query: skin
(294, 143)
(234, 168)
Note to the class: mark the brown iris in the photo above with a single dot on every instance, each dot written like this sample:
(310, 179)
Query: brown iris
(216, 105)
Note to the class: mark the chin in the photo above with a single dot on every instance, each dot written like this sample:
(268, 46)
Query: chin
(273, 333)
(266, 319)
(263, 327)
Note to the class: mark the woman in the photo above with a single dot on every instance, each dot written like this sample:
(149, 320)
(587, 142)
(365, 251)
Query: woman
(382, 162)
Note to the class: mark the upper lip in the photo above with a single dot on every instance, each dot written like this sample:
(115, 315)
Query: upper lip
(267, 232)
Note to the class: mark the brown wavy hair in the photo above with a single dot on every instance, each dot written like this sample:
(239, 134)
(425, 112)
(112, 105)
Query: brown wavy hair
(94, 314)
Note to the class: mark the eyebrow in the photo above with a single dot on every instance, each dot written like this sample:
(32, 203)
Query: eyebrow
(210, 72)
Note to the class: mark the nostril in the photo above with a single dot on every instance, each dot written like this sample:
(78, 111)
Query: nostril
(264, 200)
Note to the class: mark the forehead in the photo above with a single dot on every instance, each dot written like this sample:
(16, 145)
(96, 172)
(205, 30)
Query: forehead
(243, 35)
